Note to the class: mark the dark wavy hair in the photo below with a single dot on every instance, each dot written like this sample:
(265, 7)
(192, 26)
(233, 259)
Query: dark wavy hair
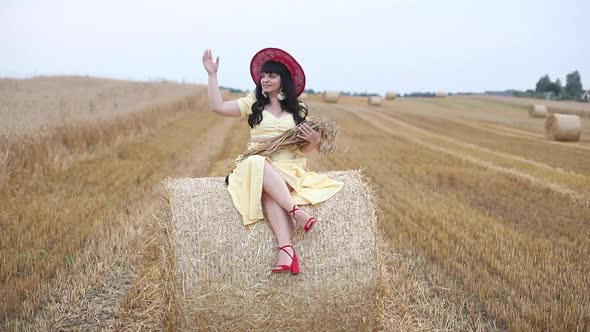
(290, 104)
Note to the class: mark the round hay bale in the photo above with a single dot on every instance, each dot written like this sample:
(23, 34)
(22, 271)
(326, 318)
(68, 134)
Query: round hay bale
(218, 274)
(390, 95)
(303, 96)
(331, 96)
(375, 100)
(537, 111)
(563, 127)
(442, 94)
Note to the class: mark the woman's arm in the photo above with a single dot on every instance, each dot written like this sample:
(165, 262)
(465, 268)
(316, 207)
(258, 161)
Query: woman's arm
(216, 103)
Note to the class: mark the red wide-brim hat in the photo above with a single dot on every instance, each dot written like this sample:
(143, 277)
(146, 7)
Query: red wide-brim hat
(283, 57)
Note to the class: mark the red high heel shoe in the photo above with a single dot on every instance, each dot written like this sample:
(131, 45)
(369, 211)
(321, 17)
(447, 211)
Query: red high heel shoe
(310, 222)
(293, 268)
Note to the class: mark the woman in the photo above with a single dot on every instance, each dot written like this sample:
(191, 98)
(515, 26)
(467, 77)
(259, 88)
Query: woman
(281, 183)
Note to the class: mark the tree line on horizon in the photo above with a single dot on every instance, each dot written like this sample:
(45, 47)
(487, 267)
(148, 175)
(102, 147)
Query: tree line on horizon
(544, 89)
(572, 90)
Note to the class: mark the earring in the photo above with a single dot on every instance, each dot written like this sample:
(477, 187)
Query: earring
(264, 94)
(281, 95)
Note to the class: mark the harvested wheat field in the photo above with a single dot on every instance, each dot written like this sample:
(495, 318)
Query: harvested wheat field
(485, 222)
(554, 106)
(42, 102)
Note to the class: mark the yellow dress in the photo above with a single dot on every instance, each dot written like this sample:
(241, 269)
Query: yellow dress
(245, 182)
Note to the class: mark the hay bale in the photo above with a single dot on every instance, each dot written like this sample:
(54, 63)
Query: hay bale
(442, 94)
(390, 95)
(563, 127)
(537, 111)
(218, 271)
(375, 100)
(331, 96)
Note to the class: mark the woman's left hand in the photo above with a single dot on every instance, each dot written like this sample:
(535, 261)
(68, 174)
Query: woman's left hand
(309, 134)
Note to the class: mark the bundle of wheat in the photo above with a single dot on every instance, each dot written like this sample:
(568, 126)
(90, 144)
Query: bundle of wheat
(329, 134)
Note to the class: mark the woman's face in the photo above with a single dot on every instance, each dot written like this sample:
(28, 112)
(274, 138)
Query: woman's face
(271, 82)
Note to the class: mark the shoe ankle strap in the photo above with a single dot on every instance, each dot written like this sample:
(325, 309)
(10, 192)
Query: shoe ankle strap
(287, 246)
(295, 208)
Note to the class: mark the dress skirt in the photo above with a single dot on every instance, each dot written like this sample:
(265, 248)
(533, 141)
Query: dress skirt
(245, 183)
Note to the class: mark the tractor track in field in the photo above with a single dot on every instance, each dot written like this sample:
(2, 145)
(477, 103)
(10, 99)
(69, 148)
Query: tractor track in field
(98, 304)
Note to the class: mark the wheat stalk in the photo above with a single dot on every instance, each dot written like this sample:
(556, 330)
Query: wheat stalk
(329, 132)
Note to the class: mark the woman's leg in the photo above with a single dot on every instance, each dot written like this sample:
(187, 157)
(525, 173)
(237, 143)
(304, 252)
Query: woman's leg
(275, 187)
(280, 223)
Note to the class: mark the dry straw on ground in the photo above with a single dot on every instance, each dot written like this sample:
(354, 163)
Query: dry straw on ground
(218, 271)
(375, 101)
(35, 104)
(553, 106)
(537, 111)
(390, 95)
(331, 96)
(563, 127)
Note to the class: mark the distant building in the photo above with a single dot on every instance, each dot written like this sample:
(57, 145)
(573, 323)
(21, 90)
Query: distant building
(586, 96)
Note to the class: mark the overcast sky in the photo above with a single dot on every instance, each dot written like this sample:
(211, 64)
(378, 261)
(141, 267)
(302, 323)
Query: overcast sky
(368, 45)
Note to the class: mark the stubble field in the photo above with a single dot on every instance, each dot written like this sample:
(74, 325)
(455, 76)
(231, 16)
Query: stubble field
(487, 222)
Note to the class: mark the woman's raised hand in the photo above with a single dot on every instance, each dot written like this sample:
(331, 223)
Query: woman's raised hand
(208, 63)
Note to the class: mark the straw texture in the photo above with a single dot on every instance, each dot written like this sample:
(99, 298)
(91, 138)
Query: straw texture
(331, 96)
(563, 127)
(390, 95)
(537, 111)
(329, 134)
(218, 271)
(375, 101)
